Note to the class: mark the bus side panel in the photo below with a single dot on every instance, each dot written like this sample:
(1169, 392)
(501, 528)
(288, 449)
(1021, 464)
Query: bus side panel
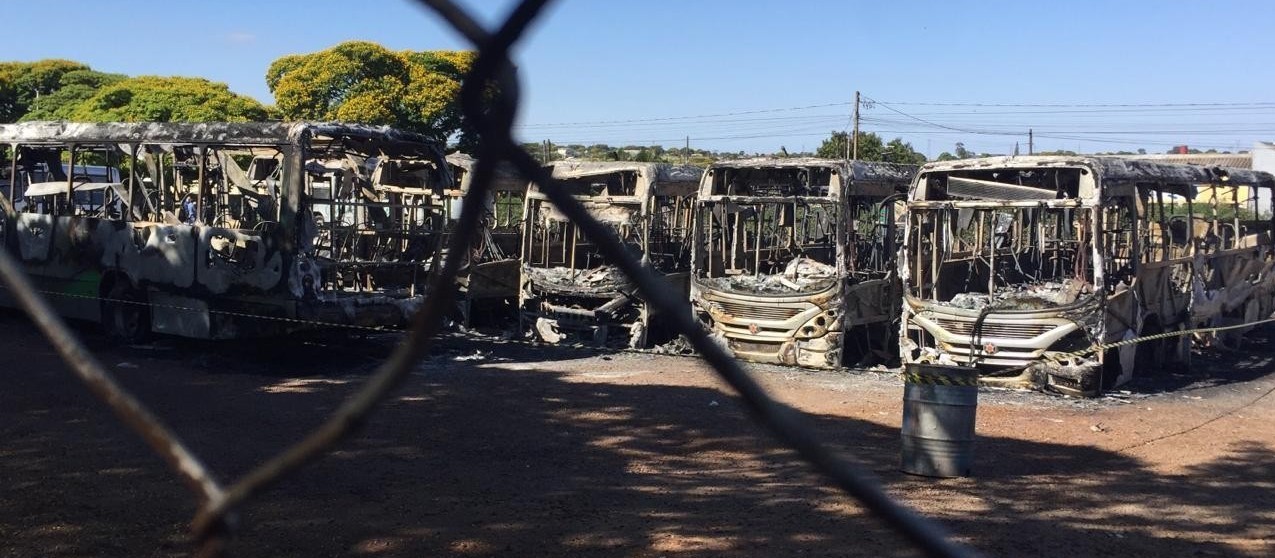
(59, 253)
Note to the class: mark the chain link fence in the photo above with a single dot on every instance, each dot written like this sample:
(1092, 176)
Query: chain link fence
(490, 99)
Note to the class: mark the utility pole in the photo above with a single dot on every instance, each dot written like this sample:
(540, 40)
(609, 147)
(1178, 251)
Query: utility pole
(686, 155)
(854, 140)
(1030, 147)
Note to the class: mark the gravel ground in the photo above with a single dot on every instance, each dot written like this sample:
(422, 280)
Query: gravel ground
(506, 449)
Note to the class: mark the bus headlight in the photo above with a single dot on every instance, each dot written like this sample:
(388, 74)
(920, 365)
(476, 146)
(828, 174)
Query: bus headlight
(817, 326)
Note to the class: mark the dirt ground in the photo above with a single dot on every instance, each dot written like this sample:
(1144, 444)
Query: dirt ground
(505, 449)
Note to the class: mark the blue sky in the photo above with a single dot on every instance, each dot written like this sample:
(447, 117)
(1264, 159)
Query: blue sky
(731, 74)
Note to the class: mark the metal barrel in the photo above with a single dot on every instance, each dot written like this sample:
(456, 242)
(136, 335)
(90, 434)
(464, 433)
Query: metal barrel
(939, 405)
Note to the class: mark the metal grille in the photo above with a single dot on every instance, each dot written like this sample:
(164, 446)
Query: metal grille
(490, 98)
(747, 311)
(995, 329)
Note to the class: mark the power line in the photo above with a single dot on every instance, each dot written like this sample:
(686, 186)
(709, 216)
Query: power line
(741, 125)
(1125, 108)
(936, 125)
(1082, 105)
(692, 117)
(1130, 110)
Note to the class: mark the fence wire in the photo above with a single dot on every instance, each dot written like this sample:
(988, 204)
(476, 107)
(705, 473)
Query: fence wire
(489, 98)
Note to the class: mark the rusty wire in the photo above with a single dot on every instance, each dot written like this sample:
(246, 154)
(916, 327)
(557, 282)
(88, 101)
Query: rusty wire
(489, 99)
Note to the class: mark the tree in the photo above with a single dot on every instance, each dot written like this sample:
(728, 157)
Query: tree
(22, 83)
(899, 151)
(960, 153)
(834, 147)
(364, 82)
(871, 148)
(75, 87)
(167, 99)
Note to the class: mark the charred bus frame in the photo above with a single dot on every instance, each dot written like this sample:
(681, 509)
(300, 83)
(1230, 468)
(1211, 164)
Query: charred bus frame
(222, 230)
(569, 291)
(794, 258)
(488, 280)
(1025, 266)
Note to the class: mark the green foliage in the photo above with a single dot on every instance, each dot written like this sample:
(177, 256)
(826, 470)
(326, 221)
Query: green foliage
(899, 151)
(835, 147)
(962, 153)
(66, 90)
(75, 87)
(359, 81)
(22, 83)
(168, 99)
(871, 148)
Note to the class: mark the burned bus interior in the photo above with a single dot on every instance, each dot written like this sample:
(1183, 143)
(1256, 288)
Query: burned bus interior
(1021, 266)
(1002, 254)
(773, 231)
(488, 279)
(570, 289)
(251, 215)
(794, 258)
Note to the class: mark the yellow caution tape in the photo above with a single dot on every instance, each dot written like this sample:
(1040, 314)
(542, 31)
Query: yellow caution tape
(940, 380)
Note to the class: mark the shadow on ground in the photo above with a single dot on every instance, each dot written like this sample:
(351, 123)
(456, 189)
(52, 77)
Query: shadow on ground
(471, 458)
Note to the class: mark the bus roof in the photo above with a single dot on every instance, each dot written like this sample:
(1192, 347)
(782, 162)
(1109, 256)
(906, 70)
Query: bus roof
(868, 171)
(243, 133)
(655, 172)
(1116, 168)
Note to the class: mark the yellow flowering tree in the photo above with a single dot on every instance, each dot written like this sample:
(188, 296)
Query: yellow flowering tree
(168, 99)
(364, 82)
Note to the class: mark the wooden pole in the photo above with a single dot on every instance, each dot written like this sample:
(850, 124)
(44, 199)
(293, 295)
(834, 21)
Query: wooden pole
(855, 138)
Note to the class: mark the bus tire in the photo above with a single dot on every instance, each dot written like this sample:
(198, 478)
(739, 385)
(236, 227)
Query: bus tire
(125, 314)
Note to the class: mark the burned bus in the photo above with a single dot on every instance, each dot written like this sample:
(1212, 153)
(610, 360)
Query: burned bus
(488, 280)
(1024, 266)
(794, 259)
(570, 292)
(223, 230)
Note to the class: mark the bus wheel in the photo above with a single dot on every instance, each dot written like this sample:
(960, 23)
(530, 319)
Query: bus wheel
(125, 314)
